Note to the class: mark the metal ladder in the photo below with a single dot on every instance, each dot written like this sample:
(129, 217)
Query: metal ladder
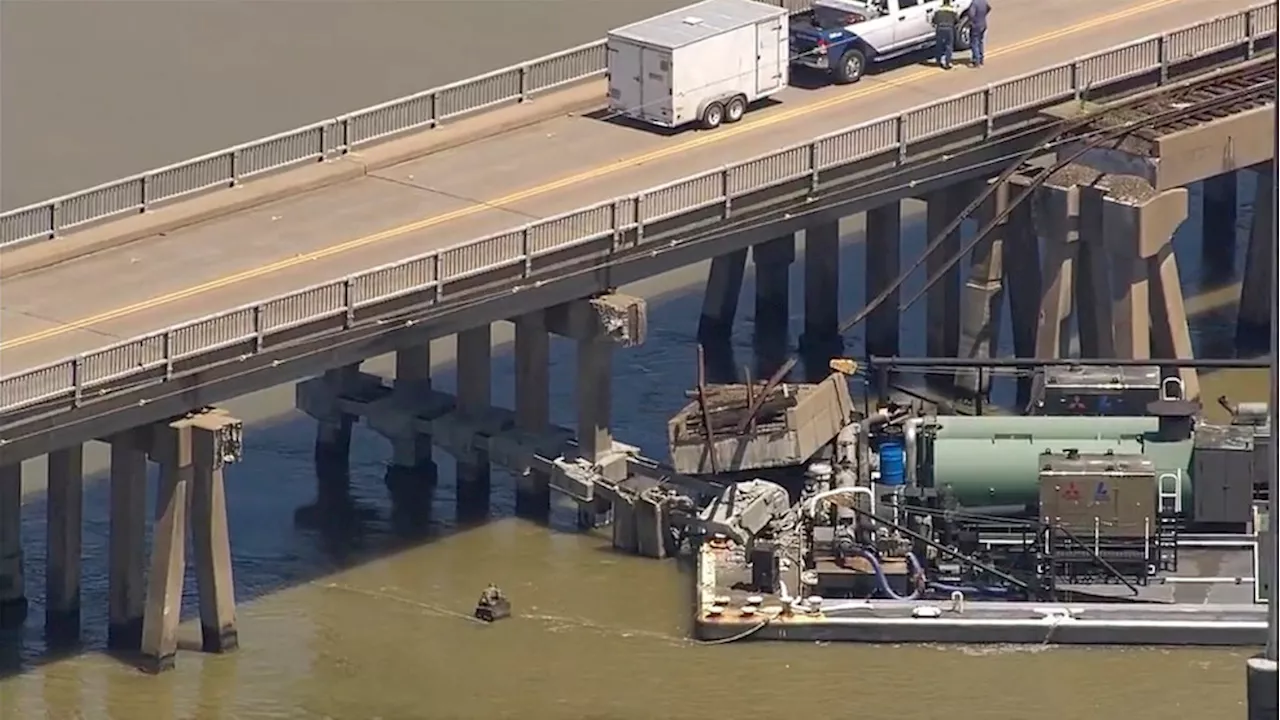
(1169, 496)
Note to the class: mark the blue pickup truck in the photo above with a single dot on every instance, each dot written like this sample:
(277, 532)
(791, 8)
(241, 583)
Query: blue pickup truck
(843, 36)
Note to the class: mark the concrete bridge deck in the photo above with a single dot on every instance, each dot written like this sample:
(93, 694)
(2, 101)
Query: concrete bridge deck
(497, 184)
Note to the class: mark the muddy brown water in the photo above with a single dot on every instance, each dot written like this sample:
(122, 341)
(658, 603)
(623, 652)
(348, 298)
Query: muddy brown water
(369, 622)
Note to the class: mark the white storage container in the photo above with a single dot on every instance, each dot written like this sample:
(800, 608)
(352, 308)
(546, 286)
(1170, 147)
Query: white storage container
(706, 62)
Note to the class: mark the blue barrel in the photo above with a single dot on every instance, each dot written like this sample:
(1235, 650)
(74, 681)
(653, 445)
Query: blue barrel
(893, 461)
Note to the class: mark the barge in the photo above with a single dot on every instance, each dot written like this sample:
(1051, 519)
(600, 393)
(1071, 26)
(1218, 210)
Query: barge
(906, 527)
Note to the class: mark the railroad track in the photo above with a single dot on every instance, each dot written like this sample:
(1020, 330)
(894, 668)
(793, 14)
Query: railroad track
(1214, 98)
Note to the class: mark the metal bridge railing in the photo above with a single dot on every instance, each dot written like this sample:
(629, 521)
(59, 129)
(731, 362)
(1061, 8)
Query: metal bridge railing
(313, 143)
(432, 277)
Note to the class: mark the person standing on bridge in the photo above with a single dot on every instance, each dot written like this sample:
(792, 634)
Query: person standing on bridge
(978, 12)
(944, 30)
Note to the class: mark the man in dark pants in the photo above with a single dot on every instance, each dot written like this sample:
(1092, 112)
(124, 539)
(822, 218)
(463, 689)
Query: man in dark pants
(978, 12)
(944, 28)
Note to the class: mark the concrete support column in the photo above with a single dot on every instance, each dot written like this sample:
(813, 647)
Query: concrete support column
(1094, 317)
(413, 383)
(411, 476)
(1138, 227)
(982, 296)
(773, 294)
(1261, 688)
(720, 301)
(211, 539)
(168, 548)
(1170, 334)
(128, 551)
(333, 437)
(595, 397)
(942, 338)
(884, 240)
(62, 564)
(475, 397)
(1253, 324)
(13, 589)
(1218, 233)
(1022, 284)
(1129, 288)
(821, 339)
(1055, 216)
(333, 443)
(533, 405)
(595, 408)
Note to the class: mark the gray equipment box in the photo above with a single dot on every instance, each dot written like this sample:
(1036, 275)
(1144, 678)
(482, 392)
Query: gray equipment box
(1100, 494)
(1223, 473)
(1097, 390)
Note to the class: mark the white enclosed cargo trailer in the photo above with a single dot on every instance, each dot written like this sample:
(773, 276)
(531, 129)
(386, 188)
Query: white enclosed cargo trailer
(706, 62)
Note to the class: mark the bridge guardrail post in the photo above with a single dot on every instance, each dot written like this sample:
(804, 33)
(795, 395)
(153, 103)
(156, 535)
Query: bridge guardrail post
(236, 160)
(348, 301)
(526, 252)
(726, 191)
(166, 351)
(77, 373)
(813, 168)
(1075, 80)
(55, 218)
(640, 218)
(1162, 43)
(986, 111)
(523, 83)
(144, 193)
(1250, 46)
(257, 327)
(900, 132)
(617, 219)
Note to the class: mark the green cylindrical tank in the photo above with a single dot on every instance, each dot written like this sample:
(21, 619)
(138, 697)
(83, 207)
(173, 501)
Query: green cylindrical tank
(1006, 470)
(1042, 426)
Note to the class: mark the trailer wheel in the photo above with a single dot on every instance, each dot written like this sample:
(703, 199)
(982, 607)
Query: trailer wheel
(852, 64)
(712, 116)
(964, 36)
(735, 109)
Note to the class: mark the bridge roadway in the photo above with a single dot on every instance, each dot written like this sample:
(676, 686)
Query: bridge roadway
(497, 184)
(438, 202)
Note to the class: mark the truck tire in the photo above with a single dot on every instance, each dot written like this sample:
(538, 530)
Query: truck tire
(735, 109)
(712, 116)
(852, 64)
(964, 35)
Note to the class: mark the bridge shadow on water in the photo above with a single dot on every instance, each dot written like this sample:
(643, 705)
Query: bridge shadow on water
(281, 538)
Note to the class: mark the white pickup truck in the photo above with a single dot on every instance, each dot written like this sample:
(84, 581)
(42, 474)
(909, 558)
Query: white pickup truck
(844, 36)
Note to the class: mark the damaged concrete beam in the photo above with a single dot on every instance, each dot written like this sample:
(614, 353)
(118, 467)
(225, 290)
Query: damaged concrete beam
(1180, 158)
(621, 319)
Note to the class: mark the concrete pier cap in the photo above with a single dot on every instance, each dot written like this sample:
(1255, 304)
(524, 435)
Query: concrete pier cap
(622, 319)
(1176, 159)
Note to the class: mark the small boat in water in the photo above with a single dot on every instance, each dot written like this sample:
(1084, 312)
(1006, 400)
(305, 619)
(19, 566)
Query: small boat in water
(492, 605)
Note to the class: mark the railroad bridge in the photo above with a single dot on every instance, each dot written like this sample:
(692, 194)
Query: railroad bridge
(243, 279)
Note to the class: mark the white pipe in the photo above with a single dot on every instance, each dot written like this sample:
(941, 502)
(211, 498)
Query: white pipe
(910, 433)
(1203, 580)
(812, 507)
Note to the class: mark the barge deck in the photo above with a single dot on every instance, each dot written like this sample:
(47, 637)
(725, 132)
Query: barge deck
(1211, 602)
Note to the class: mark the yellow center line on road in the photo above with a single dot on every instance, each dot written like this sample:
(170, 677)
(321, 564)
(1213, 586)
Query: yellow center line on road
(720, 135)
